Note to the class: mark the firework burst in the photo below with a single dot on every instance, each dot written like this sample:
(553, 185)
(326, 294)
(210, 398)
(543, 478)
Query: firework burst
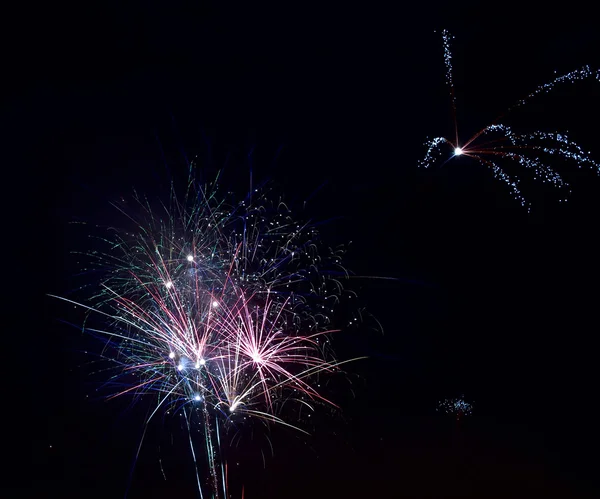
(457, 407)
(508, 154)
(217, 309)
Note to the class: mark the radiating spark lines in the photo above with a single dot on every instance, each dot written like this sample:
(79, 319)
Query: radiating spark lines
(219, 309)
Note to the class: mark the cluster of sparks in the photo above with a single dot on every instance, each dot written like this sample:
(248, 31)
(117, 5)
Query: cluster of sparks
(498, 146)
(457, 407)
(218, 309)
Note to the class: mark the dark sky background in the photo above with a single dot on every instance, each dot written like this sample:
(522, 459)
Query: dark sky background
(489, 301)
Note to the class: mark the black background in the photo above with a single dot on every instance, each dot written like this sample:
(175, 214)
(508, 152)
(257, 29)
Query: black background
(488, 301)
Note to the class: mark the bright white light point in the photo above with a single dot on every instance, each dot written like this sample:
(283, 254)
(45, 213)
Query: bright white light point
(202, 362)
(215, 303)
(171, 355)
(256, 358)
(233, 406)
(180, 367)
(169, 284)
(190, 258)
(197, 398)
(457, 151)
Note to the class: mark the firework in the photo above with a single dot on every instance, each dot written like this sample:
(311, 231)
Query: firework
(218, 310)
(500, 149)
(457, 407)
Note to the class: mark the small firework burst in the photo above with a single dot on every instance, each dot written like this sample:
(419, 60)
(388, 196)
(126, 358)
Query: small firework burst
(509, 154)
(457, 407)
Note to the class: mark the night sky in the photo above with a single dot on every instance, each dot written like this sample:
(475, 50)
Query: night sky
(487, 301)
